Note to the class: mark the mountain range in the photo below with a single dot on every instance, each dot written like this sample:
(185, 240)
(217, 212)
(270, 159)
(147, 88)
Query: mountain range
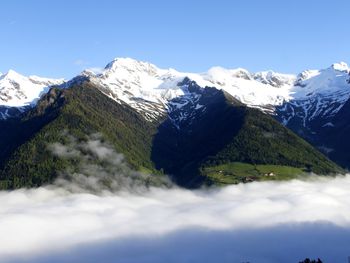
(217, 127)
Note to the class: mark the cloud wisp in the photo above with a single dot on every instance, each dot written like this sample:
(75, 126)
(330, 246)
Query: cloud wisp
(98, 168)
(256, 222)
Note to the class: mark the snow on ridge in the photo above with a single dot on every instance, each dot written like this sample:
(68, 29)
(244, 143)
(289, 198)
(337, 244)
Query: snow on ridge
(238, 82)
(318, 93)
(341, 66)
(46, 81)
(326, 81)
(17, 90)
(275, 79)
(148, 88)
(129, 80)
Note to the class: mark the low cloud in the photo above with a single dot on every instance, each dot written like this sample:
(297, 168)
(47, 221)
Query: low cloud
(81, 62)
(255, 222)
(102, 211)
(97, 168)
(96, 70)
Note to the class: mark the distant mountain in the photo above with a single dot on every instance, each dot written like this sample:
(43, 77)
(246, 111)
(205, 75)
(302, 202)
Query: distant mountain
(26, 158)
(151, 90)
(305, 103)
(212, 127)
(332, 137)
(318, 111)
(318, 95)
(224, 134)
(224, 131)
(18, 93)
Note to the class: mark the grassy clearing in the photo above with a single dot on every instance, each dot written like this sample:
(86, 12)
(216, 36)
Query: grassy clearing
(236, 172)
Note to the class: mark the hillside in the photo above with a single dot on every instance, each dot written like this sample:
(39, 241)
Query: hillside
(78, 112)
(311, 103)
(229, 132)
(221, 131)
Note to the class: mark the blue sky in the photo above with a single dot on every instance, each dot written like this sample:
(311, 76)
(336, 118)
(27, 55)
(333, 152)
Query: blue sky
(60, 38)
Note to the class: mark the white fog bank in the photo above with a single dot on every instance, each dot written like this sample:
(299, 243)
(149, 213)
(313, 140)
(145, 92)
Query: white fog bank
(255, 222)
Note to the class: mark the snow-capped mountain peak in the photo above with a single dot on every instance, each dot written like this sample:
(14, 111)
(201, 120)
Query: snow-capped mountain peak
(341, 66)
(274, 79)
(225, 75)
(154, 92)
(141, 85)
(11, 74)
(151, 90)
(329, 80)
(131, 65)
(317, 94)
(19, 91)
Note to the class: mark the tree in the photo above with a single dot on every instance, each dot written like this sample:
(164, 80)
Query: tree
(307, 260)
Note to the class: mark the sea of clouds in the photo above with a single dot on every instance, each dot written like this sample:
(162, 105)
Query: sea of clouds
(82, 219)
(255, 222)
